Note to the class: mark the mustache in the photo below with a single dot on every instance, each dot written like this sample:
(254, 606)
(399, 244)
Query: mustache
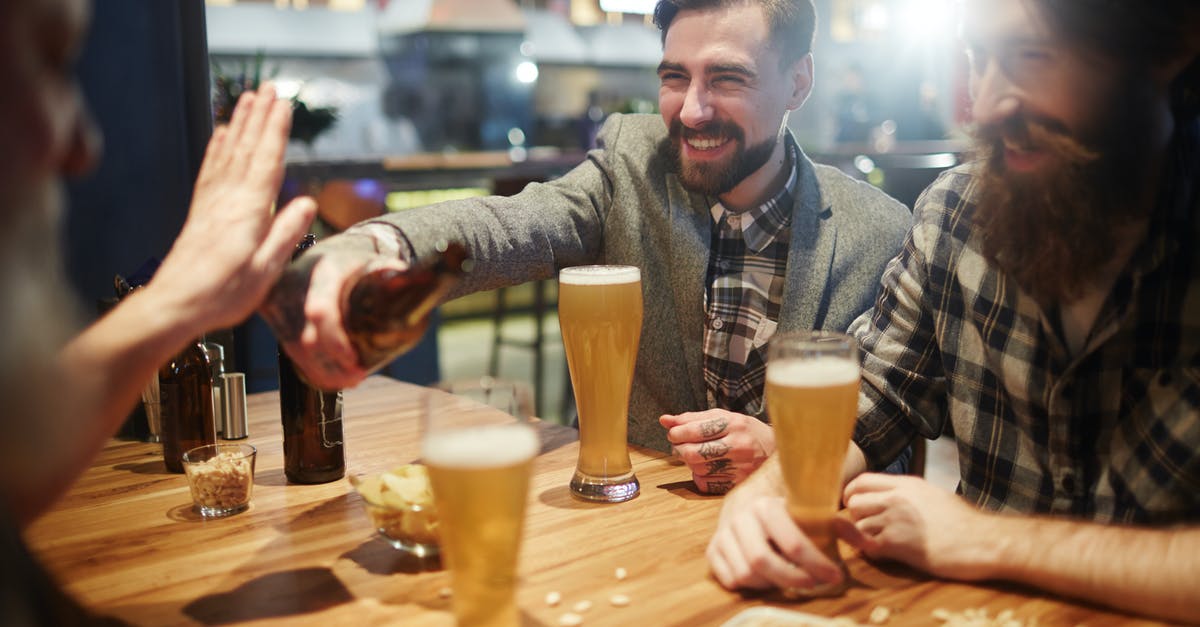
(716, 129)
(1031, 133)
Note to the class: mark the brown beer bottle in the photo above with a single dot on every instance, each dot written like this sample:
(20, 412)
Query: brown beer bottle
(312, 421)
(185, 392)
(387, 310)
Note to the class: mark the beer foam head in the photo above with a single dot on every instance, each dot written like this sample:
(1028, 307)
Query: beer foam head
(480, 447)
(818, 372)
(599, 275)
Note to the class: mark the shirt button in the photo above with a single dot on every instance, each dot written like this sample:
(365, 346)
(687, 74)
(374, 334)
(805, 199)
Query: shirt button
(723, 265)
(718, 324)
(734, 220)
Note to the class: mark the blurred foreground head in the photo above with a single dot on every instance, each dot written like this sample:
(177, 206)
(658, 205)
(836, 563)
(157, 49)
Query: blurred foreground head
(45, 134)
(1076, 106)
(1149, 34)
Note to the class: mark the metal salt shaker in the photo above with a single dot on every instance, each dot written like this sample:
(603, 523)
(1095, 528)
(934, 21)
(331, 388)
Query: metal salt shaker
(235, 425)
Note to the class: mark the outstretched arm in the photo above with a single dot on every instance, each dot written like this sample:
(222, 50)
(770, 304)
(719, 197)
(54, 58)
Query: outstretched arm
(230, 251)
(1147, 571)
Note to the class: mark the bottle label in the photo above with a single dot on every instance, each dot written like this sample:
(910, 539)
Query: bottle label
(331, 421)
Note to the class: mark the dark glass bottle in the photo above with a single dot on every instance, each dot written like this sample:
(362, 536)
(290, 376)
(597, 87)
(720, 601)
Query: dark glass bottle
(312, 421)
(185, 392)
(387, 310)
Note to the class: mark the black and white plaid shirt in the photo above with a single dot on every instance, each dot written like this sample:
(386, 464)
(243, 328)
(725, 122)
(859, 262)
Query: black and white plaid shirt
(1110, 432)
(746, 267)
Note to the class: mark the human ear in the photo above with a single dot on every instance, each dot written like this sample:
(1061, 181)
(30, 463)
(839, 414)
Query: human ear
(801, 74)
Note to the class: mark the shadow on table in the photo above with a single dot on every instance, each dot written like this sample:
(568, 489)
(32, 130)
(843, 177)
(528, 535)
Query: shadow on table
(271, 477)
(560, 497)
(687, 490)
(379, 558)
(279, 594)
(326, 511)
(152, 466)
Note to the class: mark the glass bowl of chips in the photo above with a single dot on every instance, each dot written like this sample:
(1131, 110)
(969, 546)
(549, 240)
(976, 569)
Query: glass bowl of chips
(399, 503)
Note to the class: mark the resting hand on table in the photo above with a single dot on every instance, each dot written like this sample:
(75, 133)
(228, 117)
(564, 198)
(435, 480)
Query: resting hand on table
(757, 545)
(910, 520)
(902, 518)
(305, 307)
(720, 447)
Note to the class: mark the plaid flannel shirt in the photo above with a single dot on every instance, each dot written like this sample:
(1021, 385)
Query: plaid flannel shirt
(746, 266)
(1109, 433)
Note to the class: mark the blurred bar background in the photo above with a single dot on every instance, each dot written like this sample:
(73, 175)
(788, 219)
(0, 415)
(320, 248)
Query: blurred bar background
(403, 103)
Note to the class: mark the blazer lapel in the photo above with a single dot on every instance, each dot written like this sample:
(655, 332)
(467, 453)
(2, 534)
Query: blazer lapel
(810, 256)
(691, 232)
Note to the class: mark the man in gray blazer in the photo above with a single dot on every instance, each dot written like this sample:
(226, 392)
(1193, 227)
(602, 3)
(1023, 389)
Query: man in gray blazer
(737, 235)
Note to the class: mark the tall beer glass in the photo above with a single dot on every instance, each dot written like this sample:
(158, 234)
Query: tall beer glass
(479, 461)
(600, 314)
(812, 399)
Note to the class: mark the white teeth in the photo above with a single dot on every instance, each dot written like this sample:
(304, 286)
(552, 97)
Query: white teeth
(1015, 147)
(704, 144)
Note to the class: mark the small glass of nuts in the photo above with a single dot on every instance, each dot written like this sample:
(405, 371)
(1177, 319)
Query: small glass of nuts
(221, 477)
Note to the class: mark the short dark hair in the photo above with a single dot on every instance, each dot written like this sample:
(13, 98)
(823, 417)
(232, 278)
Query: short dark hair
(1142, 32)
(793, 23)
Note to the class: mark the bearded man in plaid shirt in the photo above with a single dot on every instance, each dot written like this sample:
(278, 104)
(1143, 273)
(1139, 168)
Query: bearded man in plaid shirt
(1046, 309)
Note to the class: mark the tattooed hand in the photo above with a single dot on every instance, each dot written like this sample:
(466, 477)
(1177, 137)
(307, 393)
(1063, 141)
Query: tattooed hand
(720, 447)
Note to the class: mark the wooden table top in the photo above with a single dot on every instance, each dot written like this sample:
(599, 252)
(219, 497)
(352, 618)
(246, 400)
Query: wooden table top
(126, 543)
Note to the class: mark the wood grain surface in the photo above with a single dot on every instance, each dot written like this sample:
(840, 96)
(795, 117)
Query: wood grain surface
(126, 542)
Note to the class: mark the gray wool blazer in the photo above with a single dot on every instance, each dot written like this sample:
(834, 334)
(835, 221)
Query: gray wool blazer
(623, 206)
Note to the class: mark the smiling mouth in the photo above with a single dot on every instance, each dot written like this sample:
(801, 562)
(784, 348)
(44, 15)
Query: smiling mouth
(704, 144)
(1022, 157)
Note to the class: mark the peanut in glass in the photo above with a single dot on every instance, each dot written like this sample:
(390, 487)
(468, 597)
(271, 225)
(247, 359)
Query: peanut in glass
(812, 400)
(600, 315)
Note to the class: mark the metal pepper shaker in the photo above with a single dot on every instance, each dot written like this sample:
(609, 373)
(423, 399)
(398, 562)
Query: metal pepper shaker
(233, 386)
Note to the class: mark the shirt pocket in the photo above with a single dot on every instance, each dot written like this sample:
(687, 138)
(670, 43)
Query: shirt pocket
(766, 329)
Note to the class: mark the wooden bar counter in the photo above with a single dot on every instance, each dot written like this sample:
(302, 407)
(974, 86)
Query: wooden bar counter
(127, 544)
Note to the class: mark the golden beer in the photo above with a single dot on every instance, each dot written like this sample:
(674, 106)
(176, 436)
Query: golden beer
(600, 315)
(480, 478)
(812, 400)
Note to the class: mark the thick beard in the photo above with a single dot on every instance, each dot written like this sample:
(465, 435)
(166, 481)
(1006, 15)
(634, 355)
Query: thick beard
(715, 179)
(1053, 231)
(38, 315)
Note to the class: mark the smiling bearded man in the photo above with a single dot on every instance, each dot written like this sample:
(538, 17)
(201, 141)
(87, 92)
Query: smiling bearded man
(1054, 228)
(735, 231)
(717, 178)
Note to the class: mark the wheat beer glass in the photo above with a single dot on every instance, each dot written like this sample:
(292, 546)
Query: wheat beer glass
(479, 462)
(600, 315)
(812, 399)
